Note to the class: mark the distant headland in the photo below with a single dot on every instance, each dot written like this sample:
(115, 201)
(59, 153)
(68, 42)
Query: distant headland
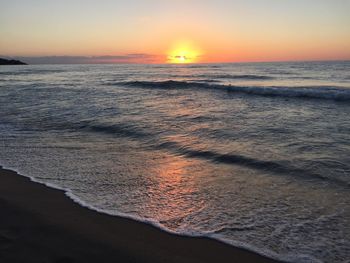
(11, 62)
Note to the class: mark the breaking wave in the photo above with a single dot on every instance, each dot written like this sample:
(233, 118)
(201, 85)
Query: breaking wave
(308, 92)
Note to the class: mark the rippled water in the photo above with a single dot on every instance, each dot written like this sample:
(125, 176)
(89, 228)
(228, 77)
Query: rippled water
(257, 155)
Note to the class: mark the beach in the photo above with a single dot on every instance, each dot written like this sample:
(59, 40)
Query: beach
(175, 131)
(252, 155)
(41, 224)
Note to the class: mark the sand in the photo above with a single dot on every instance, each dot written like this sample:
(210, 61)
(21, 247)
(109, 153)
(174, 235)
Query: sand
(41, 224)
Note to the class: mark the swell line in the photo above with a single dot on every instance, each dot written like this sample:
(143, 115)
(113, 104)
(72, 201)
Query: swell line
(153, 141)
(307, 92)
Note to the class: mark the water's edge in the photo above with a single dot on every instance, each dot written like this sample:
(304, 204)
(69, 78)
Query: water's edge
(236, 244)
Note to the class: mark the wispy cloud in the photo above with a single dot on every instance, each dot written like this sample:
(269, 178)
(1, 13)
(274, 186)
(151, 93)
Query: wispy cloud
(127, 58)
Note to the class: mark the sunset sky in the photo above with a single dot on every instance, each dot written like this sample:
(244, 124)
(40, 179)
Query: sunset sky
(158, 31)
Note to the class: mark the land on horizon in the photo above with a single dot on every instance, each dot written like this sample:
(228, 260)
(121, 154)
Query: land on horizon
(11, 62)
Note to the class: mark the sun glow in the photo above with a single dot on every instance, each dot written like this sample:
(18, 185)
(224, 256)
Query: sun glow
(183, 53)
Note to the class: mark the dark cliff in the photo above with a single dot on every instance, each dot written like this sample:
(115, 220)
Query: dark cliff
(11, 62)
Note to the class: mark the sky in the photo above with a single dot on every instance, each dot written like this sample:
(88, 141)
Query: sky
(176, 31)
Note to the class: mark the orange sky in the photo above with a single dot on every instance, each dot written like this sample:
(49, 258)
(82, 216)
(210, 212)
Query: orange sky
(155, 31)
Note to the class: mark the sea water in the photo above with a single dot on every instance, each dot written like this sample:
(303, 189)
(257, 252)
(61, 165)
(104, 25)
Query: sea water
(256, 155)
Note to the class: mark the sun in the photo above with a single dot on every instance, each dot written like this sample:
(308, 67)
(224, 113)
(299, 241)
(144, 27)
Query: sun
(183, 53)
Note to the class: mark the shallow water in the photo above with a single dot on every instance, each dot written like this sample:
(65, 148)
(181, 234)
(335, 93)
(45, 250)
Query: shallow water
(257, 155)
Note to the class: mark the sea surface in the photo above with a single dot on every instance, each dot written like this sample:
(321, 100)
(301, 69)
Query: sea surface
(256, 155)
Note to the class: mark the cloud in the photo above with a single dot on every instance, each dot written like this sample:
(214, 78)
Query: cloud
(127, 58)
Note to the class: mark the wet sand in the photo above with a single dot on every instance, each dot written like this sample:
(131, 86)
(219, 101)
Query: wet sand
(41, 224)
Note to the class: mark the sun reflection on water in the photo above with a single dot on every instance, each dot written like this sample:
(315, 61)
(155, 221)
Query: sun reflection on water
(171, 197)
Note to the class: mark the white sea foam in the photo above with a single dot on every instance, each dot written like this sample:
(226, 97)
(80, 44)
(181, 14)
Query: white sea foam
(264, 252)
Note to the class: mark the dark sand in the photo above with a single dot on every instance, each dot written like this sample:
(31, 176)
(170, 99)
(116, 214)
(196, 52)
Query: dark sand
(40, 224)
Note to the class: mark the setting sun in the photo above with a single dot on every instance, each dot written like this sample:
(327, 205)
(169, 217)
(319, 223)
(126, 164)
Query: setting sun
(183, 53)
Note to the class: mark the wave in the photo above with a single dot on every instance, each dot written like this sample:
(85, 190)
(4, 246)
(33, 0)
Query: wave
(278, 167)
(307, 92)
(155, 223)
(153, 141)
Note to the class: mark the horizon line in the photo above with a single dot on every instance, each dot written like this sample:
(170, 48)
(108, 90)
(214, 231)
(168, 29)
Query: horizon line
(127, 59)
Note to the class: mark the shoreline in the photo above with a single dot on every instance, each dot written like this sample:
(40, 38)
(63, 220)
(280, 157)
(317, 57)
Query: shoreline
(39, 223)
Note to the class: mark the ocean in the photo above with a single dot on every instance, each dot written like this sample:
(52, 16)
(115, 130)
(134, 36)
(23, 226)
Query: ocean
(256, 155)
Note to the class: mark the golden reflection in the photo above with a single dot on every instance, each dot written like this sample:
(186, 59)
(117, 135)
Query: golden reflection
(171, 176)
(173, 193)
